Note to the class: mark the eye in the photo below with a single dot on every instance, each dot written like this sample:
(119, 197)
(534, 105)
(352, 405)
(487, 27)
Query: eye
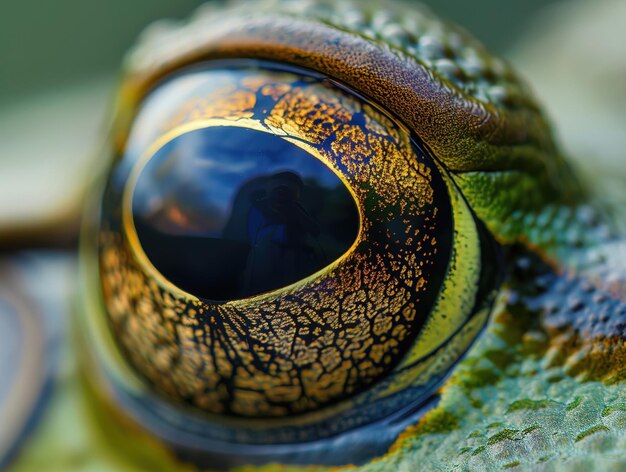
(282, 261)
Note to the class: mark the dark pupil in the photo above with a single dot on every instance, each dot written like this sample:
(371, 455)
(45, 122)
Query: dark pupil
(226, 213)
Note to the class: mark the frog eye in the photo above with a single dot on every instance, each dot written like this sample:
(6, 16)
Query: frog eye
(276, 249)
(290, 248)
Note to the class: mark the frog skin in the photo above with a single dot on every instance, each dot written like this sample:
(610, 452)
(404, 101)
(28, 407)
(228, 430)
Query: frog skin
(542, 388)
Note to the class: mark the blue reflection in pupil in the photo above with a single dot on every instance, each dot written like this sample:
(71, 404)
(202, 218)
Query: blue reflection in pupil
(226, 213)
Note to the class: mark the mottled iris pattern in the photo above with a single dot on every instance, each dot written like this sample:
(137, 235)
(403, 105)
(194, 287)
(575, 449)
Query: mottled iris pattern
(334, 335)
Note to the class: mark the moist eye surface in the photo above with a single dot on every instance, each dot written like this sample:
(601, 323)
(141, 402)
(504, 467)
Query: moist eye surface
(243, 179)
(226, 213)
(238, 180)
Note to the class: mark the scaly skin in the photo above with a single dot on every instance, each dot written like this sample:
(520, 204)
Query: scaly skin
(543, 387)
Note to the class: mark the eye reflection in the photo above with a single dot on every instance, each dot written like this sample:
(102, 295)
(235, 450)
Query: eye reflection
(227, 212)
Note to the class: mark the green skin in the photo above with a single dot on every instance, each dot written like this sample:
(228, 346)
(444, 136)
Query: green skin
(542, 388)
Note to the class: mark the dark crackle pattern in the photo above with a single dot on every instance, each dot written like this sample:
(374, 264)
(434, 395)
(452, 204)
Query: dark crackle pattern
(319, 341)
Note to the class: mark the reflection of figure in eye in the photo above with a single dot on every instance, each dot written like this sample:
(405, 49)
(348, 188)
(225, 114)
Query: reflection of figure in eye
(268, 214)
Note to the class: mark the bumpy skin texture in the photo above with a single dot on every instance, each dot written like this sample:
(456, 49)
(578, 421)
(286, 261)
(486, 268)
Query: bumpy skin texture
(543, 387)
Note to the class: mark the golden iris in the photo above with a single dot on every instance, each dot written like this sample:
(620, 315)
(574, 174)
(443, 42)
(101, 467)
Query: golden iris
(278, 252)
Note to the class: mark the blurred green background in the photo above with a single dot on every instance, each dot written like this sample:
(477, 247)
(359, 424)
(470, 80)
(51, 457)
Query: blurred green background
(48, 43)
